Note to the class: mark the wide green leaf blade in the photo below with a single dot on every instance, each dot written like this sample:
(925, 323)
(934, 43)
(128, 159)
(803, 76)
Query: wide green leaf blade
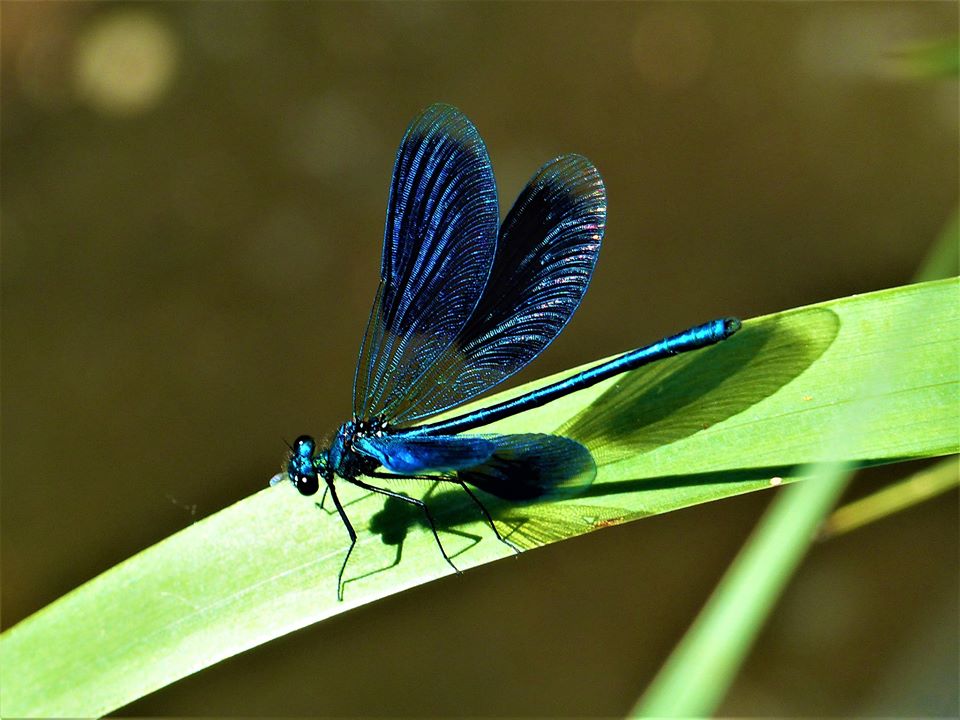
(730, 419)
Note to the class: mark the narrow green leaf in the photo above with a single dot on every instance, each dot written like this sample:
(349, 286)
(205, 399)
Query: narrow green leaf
(936, 59)
(698, 673)
(738, 417)
(943, 258)
(696, 676)
(919, 487)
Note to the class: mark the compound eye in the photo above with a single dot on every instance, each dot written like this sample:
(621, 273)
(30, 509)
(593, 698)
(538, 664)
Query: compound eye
(304, 446)
(306, 484)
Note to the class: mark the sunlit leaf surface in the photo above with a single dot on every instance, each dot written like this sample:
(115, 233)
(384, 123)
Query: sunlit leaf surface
(741, 416)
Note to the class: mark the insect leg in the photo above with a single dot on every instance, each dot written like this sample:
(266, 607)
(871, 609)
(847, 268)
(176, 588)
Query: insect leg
(412, 501)
(323, 499)
(350, 531)
(437, 480)
(486, 514)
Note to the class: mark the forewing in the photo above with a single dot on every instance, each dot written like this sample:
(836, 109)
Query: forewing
(439, 244)
(532, 466)
(546, 251)
(411, 455)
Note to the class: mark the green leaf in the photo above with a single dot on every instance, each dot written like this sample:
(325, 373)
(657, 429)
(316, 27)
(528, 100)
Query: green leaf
(698, 673)
(943, 259)
(696, 676)
(917, 488)
(936, 59)
(743, 415)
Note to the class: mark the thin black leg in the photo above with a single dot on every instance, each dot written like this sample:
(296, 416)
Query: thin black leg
(473, 540)
(467, 490)
(486, 514)
(323, 499)
(396, 561)
(350, 531)
(412, 501)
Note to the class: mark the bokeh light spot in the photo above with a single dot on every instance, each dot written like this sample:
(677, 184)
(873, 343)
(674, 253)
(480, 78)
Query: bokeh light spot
(125, 62)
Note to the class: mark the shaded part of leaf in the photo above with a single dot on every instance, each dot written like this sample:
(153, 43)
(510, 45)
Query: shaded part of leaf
(666, 402)
(450, 505)
(541, 525)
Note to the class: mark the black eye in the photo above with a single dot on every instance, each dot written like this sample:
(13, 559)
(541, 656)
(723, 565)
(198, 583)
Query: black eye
(306, 484)
(304, 446)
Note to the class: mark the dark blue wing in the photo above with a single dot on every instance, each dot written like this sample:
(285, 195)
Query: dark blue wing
(438, 247)
(412, 455)
(531, 466)
(546, 252)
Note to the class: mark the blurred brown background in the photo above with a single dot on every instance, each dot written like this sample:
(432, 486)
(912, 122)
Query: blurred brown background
(192, 208)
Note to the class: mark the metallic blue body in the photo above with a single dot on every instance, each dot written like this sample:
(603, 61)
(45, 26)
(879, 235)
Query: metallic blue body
(692, 339)
(461, 306)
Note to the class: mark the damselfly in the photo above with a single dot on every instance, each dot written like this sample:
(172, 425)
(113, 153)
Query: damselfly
(465, 302)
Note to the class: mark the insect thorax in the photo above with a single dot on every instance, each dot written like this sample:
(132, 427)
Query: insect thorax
(344, 459)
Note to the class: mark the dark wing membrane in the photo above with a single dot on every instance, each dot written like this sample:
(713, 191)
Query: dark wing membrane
(438, 247)
(546, 252)
(532, 466)
(440, 453)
